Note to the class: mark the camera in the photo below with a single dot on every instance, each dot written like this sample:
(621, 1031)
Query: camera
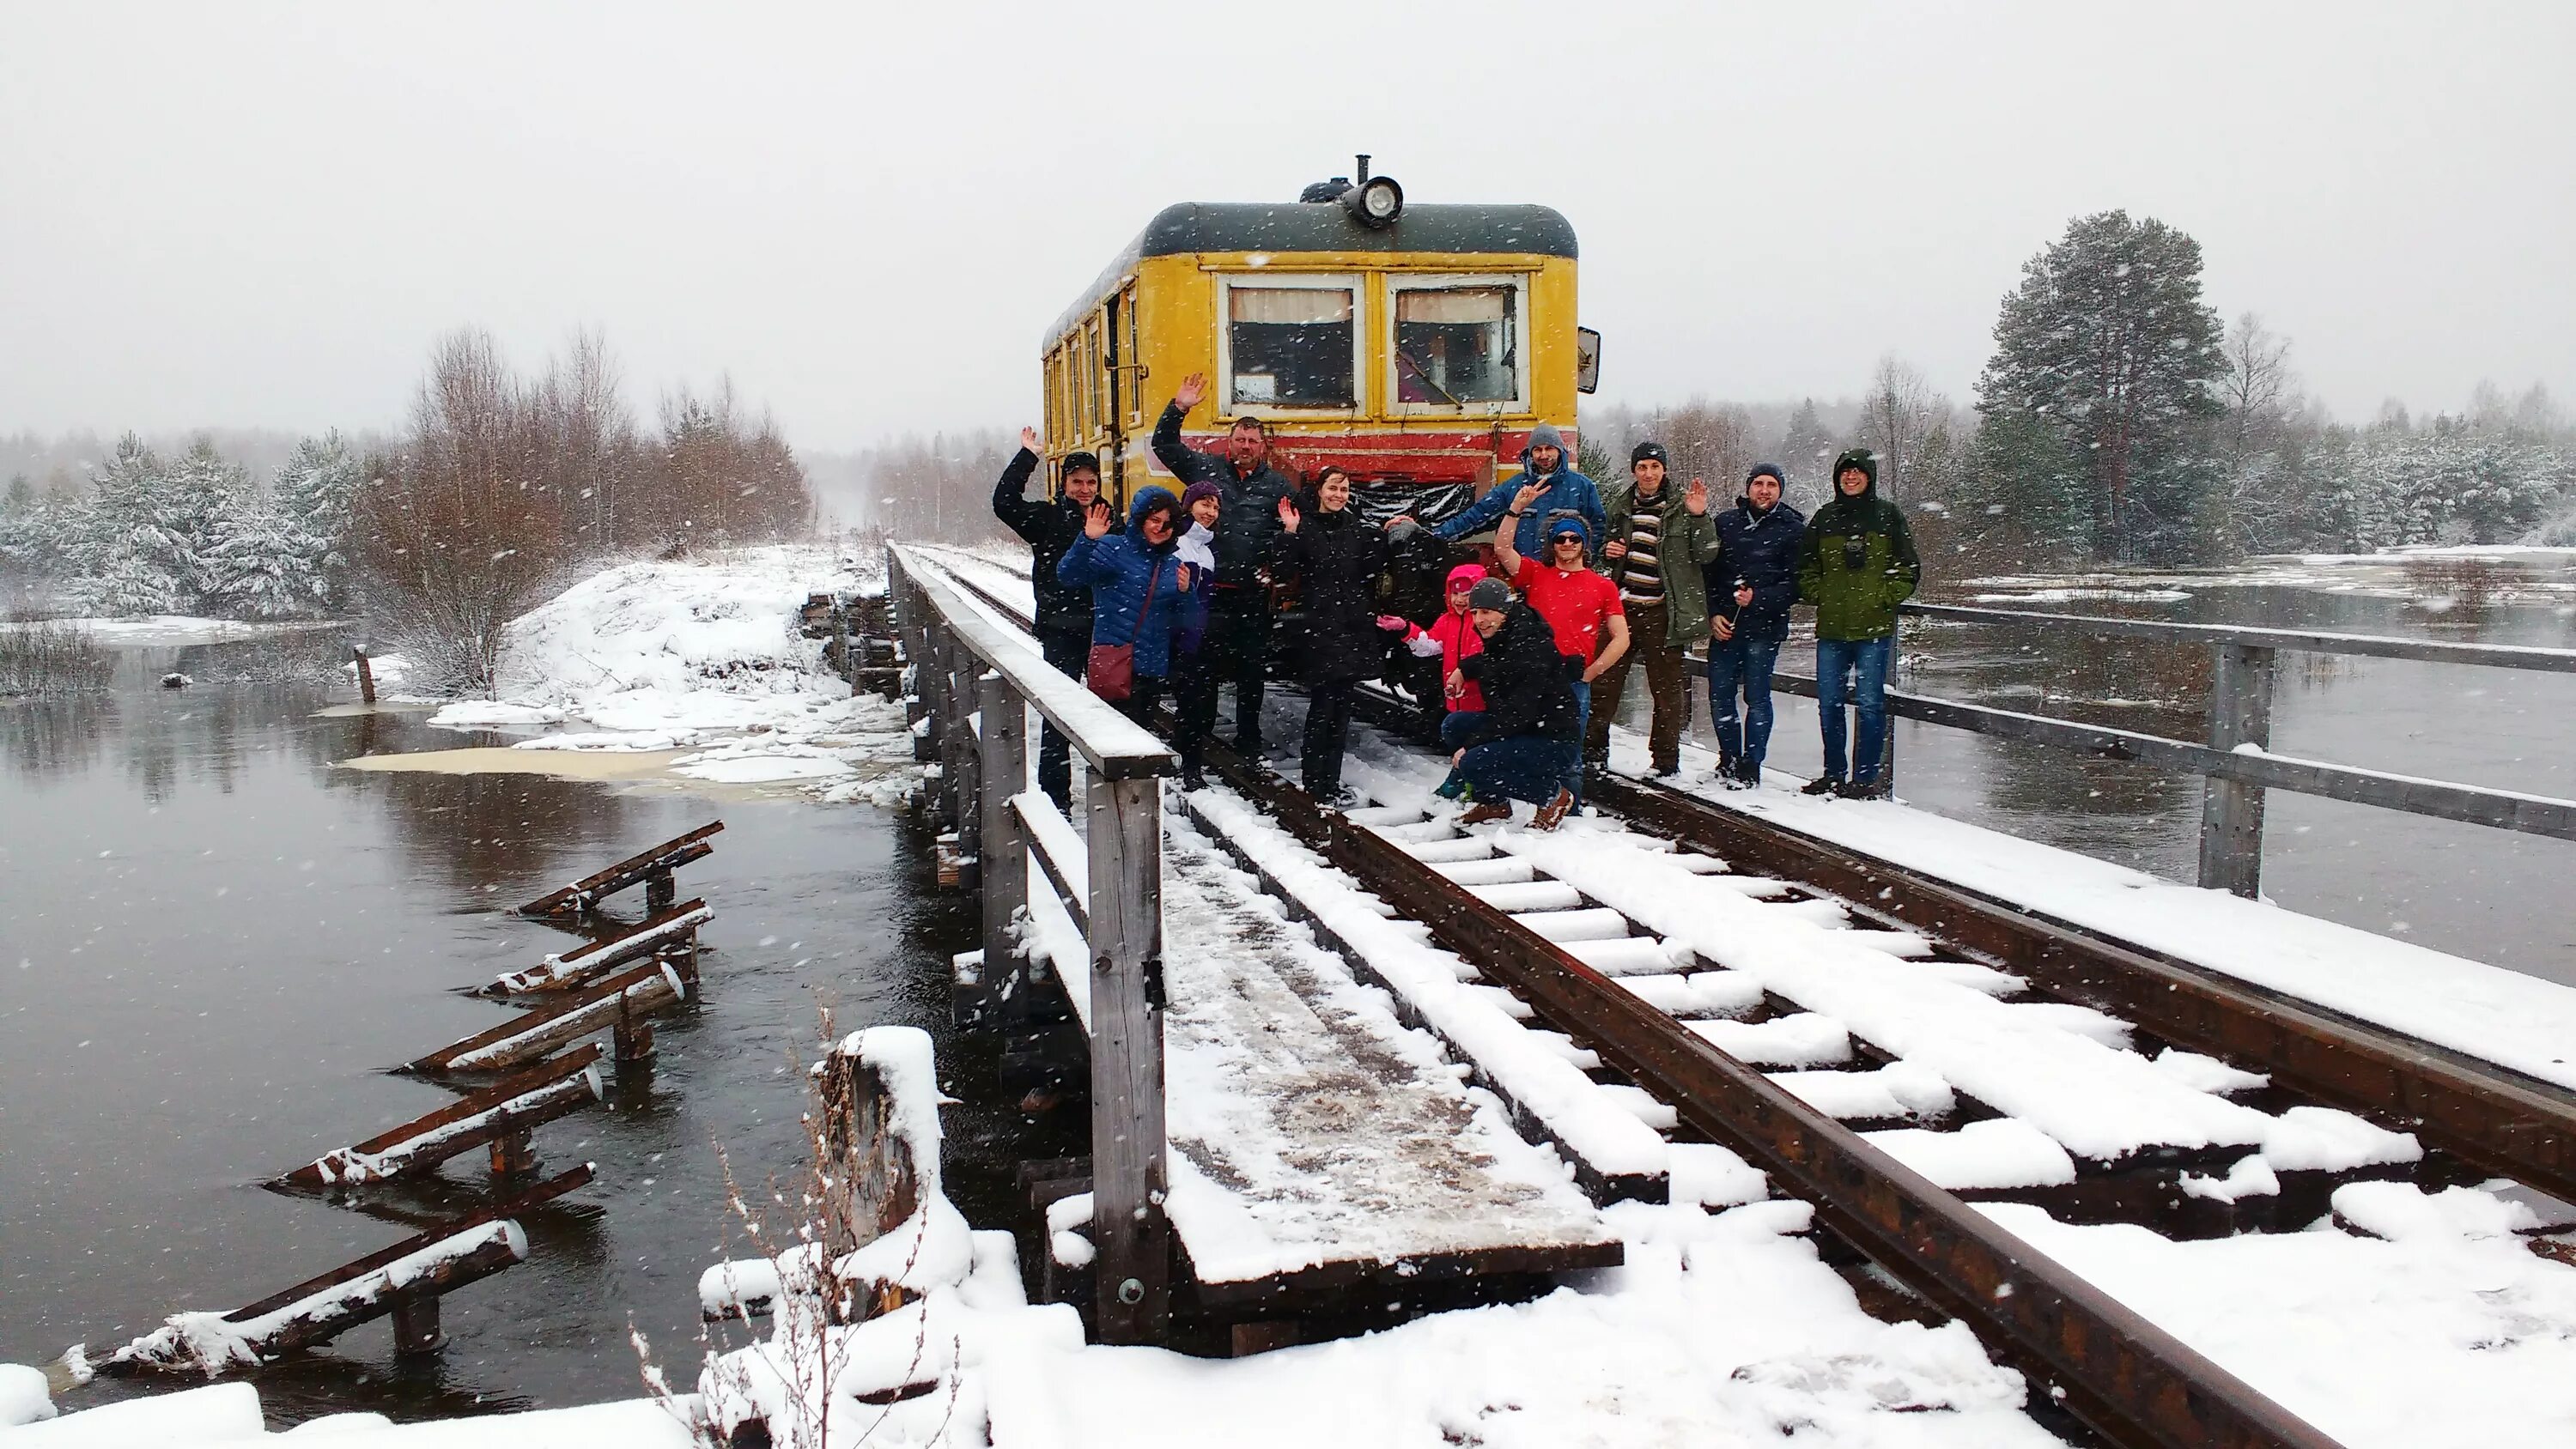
(1855, 551)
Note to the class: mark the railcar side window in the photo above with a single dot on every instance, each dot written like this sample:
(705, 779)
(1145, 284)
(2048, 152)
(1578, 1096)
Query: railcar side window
(1291, 346)
(1455, 345)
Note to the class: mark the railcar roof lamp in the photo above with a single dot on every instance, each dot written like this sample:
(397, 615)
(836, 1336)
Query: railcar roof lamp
(1374, 201)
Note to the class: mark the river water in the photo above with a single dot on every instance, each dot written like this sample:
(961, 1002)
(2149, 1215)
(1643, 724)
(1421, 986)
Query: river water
(213, 944)
(2488, 894)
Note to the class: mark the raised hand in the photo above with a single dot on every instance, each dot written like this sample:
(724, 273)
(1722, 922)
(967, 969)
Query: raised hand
(1095, 519)
(1529, 493)
(1288, 515)
(1695, 497)
(1029, 439)
(1191, 390)
(1394, 623)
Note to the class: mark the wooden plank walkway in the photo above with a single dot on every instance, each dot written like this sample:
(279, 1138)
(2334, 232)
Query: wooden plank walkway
(1317, 1143)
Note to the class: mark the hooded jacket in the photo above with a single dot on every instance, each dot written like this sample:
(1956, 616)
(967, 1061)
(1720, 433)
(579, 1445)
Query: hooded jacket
(1689, 540)
(1762, 550)
(1049, 526)
(1250, 522)
(1336, 558)
(1857, 562)
(1567, 492)
(1455, 632)
(1528, 685)
(1118, 568)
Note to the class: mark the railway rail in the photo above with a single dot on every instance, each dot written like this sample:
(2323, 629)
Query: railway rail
(1573, 941)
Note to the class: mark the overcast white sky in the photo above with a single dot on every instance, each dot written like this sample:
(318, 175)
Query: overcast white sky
(262, 215)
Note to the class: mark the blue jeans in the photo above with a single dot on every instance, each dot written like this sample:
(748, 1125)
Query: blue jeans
(1521, 767)
(1837, 662)
(1582, 721)
(1456, 725)
(1741, 664)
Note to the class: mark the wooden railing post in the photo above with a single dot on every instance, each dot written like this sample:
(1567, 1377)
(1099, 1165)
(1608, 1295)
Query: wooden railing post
(972, 765)
(2231, 811)
(1128, 1228)
(1004, 873)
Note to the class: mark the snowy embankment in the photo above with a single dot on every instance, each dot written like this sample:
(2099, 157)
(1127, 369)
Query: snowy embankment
(703, 656)
(166, 630)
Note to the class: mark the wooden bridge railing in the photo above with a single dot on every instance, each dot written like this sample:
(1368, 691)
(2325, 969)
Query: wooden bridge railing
(2235, 763)
(975, 678)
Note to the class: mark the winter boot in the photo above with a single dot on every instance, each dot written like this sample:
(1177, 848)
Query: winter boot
(1864, 790)
(1552, 814)
(1822, 785)
(1482, 811)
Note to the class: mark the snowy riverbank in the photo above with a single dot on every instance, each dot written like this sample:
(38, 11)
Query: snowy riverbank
(701, 656)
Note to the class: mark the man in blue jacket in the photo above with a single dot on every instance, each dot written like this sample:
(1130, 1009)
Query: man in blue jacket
(1543, 463)
(1751, 584)
(1250, 488)
(1049, 526)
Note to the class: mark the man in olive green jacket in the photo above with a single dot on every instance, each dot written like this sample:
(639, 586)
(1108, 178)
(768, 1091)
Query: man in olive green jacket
(1659, 535)
(1855, 566)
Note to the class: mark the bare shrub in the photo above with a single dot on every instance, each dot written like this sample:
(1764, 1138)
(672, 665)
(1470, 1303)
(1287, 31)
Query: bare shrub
(52, 658)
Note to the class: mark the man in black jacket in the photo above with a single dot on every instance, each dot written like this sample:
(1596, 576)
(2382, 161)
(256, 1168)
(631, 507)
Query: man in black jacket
(1526, 743)
(1050, 525)
(1750, 585)
(1239, 611)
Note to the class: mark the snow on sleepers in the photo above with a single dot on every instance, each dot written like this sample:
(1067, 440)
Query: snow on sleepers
(2100, 1102)
(586, 963)
(660, 859)
(630, 994)
(1270, 1048)
(564, 1085)
(1616, 1155)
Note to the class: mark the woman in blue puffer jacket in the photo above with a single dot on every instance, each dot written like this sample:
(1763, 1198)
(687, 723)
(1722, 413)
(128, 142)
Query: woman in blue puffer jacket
(1139, 586)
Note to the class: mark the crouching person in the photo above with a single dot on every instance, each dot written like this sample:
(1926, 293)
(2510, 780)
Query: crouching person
(1139, 591)
(1528, 738)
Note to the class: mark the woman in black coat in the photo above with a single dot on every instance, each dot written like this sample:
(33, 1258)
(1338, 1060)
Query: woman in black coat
(1336, 556)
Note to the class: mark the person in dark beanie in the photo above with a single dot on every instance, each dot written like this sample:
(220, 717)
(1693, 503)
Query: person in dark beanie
(1049, 526)
(1749, 586)
(1528, 738)
(1659, 536)
(1545, 466)
(1856, 564)
(1250, 489)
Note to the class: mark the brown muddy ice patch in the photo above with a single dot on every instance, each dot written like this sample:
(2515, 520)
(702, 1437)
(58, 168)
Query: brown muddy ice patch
(558, 764)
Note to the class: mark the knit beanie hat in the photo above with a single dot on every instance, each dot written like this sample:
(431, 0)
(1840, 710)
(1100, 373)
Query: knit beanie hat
(1767, 470)
(1545, 435)
(1490, 594)
(1199, 490)
(1643, 451)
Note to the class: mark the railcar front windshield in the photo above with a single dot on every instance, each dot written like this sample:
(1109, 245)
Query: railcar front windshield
(1292, 346)
(1454, 345)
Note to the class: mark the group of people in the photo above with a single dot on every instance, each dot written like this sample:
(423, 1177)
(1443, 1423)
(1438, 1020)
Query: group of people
(1176, 600)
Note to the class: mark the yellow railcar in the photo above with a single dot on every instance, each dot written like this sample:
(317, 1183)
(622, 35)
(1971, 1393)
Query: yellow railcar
(1415, 346)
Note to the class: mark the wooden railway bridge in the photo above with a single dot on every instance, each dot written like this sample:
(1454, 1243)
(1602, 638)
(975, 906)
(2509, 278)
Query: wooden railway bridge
(1689, 1000)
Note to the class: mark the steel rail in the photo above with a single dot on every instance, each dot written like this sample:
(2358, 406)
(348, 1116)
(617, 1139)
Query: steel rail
(2507, 1123)
(2121, 1375)
(2311, 641)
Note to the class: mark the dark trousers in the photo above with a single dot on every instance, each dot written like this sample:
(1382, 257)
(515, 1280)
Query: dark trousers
(1667, 684)
(1194, 684)
(1328, 729)
(1459, 724)
(1857, 669)
(1741, 666)
(1521, 767)
(1070, 655)
(1142, 696)
(1239, 630)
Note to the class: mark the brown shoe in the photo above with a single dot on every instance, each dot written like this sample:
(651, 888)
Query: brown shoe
(1482, 811)
(1552, 814)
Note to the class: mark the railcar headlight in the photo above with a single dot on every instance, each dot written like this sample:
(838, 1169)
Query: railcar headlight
(1376, 202)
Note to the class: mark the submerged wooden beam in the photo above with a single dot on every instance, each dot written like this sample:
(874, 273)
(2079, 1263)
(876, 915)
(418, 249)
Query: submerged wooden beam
(624, 997)
(405, 1280)
(585, 964)
(661, 859)
(507, 1109)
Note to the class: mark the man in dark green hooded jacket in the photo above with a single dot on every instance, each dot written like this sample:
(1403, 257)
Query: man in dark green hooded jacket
(1855, 566)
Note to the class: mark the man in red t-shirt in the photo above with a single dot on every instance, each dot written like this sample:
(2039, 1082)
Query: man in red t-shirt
(1582, 606)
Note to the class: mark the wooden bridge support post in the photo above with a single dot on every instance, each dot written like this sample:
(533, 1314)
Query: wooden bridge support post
(514, 1154)
(416, 1326)
(2231, 811)
(965, 784)
(1128, 1176)
(366, 676)
(1004, 872)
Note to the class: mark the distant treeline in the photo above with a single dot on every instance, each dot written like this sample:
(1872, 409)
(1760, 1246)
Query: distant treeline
(499, 489)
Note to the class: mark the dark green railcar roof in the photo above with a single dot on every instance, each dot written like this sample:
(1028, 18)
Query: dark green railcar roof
(1326, 226)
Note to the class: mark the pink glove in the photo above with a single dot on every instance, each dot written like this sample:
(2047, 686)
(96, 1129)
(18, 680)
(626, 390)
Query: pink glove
(1394, 623)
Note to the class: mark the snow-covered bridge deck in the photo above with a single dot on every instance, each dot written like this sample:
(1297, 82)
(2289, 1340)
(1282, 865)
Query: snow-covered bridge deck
(1316, 1141)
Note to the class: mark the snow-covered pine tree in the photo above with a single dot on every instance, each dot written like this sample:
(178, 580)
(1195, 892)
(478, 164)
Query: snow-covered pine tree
(261, 567)
(311, 497)
(1806, 449)
(2108, 341)
(120, 544)
(201, 492)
